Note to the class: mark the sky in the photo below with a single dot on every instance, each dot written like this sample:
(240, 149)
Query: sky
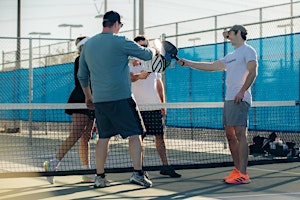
(46, 15)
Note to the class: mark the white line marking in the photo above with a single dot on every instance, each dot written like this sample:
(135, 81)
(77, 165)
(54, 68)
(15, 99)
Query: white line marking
(268, 170)
(260, 195)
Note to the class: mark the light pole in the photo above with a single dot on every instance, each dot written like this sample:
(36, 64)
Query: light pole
(39, 34)
(105, 10)
(194, 40)
(194, 43)
(70, 26)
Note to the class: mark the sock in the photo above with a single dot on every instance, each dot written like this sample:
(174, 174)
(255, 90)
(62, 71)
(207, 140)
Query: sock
(101, 175)
(140, 172)
(244, 174)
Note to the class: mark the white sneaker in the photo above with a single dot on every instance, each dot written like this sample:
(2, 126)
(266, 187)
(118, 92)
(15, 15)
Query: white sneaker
(50, 166)
(90, 178)
(101, 182)
(140, 180)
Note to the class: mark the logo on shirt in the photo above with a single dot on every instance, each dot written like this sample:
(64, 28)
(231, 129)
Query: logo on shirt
(230, 61)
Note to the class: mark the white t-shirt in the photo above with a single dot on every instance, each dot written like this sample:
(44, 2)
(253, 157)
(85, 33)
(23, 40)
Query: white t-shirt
(236, 68)
(144, 90)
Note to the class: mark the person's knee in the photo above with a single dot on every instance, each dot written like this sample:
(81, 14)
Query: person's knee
(241, 134)
(230, 135)
(135, 139)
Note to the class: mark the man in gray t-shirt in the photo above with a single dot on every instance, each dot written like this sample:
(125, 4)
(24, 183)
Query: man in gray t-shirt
(104, 61)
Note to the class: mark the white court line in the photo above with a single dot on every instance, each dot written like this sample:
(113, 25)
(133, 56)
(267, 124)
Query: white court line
(278, 171)
(259, 195)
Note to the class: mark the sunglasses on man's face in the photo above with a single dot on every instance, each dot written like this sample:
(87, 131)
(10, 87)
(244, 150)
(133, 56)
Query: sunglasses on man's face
(144, 45)
(121, 24)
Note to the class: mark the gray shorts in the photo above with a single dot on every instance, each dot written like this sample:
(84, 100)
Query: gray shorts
(118, 117)
(236, 114)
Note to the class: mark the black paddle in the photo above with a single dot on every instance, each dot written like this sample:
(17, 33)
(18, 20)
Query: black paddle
(170, 49)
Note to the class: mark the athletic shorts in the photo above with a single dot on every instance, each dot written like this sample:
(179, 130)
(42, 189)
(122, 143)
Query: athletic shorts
(236, 114)
(77, 96)
(118, 117)
(153, 122)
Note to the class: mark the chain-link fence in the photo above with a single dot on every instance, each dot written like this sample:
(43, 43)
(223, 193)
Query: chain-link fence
(260, 22)
(35, 52)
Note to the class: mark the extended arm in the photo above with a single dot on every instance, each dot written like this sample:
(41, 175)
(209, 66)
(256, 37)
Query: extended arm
(204, 66)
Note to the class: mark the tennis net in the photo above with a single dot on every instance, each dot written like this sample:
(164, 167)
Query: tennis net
(194, 135)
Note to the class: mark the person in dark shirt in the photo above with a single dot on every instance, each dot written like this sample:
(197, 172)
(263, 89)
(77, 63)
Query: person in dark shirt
(82, 125)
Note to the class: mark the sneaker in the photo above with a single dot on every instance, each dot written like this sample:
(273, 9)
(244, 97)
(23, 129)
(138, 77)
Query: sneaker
(169, 171)
(88, 178)
(101, 182)
(50, 166)
(239, 179)
(233, 173)
(146, 175)
(140, 180)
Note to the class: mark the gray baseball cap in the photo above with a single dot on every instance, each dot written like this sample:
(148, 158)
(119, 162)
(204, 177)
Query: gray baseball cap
(235, 28)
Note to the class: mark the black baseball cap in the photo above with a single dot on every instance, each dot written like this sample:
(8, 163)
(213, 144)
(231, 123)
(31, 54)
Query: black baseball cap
(112, 16)
(235, 28)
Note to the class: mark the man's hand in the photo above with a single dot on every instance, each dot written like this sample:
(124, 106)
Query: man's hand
(157, 51)
(163, 112)
(182, 62)
(89, 103)
(239, 97)
(143, 75)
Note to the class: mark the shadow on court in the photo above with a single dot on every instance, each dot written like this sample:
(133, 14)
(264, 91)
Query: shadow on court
(276, 181)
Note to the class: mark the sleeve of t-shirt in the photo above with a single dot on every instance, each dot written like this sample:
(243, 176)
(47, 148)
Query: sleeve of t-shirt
(158, 76)
(131, 48)
(223, 60)
(250, 55)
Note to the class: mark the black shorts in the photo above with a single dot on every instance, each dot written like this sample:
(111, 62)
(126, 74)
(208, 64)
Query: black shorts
(118, 117)
(77, 96)
(153, 122)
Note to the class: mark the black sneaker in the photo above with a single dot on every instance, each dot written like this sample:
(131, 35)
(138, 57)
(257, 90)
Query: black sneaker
(169, 171)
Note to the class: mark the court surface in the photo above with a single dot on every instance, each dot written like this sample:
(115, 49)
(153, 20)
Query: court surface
(272, 181)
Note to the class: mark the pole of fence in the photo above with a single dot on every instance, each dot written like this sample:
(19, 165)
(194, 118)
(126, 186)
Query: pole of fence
(30, 91)
(216, 37)
(292, 14)
(176, 30)
(2, 61)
